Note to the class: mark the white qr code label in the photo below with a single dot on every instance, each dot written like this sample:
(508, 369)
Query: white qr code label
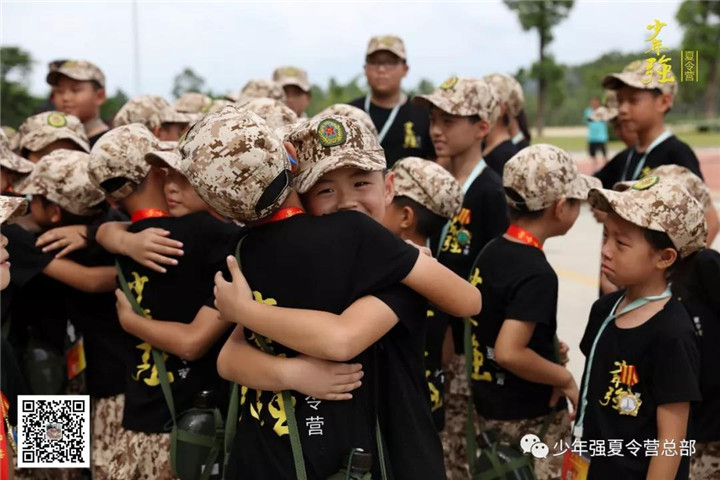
(53, 431)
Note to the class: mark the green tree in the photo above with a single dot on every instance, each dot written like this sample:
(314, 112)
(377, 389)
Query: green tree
(16, 101)
(542, 16)
(701, 21)
(187, 81)
(112, 105)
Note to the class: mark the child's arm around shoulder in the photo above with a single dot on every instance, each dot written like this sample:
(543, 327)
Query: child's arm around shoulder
(151, 247)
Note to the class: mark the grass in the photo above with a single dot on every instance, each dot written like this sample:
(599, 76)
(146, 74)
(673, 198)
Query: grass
(574, 144)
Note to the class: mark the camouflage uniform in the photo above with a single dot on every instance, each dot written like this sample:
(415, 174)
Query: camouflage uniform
(39, 131)
(286, 76)
(428, 184)
(62, 178)
(141, 456)
(705, 464)
(349, 111)
(106, 433)
(659, 204)
(150, 110)
(120, 153)
(453, 436)
(324, 144)
(231, 158)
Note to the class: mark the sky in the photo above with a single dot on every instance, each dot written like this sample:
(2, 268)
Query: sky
(228, 43)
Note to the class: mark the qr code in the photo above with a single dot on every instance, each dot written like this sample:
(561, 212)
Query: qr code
(54, 431)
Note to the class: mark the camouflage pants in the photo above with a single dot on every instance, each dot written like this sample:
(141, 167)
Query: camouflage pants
(549, 468)
(453, 436)
(141, 456)
(705, 464)
(106, 433)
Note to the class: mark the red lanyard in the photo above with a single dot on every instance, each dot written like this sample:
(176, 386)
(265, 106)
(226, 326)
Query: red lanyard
(282, 214)
(144, 213)
(523, 235)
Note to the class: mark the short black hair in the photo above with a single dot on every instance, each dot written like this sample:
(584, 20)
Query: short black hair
(68, 218)
(518, 208)
(660, 241)
(96, 85)
(656, 92)
(427, 223)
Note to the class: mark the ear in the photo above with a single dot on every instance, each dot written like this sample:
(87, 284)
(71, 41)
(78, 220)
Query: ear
(389, 188)
(483, 128)
(407, 218)
(666, 258)
(558, 207)
(54, 213)
(406, 69)
(100, 97)
(666, 102)
(293, 153)
(156, 131)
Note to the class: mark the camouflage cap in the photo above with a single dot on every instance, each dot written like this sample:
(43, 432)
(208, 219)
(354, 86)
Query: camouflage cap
(11, 208)
(509, 92)
(165, 159)
(234, 160)
(237, 97)
(80, 70)
(324, 144)
(150, 110)
(120, 153)
(659, 204)
(691, 182)
(636, 75)
(464, 96)
(428, 184)
(350, 111)
(192, 102)
(62, 177)
(292, 76)
(12, 136)
(274, 112)
(10, 160)
(542, 174)
(218, 105)
(263, 89)
(39, 131)
(388, 43)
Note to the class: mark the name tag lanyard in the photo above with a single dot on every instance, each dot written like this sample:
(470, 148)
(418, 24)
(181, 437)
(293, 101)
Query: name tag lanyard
(635, 304)
(663, 136)
(390, 120)
(479, 169)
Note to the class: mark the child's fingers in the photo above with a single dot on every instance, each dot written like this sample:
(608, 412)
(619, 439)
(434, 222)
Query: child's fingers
(351, 377)
(148, 263)
(161, 259)
(335, 397)
(220, 280)
(68, 249)
(346, 368)
(169, 244)
(233, 267)
(346, 387)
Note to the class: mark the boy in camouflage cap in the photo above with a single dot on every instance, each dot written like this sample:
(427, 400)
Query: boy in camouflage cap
(426, 198)
(499, 147)
(274, 112)
(49, 131)
(194, 103)
(153, 111)
(518, 380)
(181, 328)
(462, 111)
(644, 96)
(78, 88)
(258, 88)
(294, 82)
(12, 166)
(651, 229)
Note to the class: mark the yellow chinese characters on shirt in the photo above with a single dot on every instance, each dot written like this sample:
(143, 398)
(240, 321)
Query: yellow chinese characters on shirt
(478, 357)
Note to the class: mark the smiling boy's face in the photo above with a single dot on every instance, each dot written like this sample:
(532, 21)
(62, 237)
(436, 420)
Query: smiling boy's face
(350, 188)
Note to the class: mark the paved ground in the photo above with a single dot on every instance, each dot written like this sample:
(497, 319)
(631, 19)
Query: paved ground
(576, 259)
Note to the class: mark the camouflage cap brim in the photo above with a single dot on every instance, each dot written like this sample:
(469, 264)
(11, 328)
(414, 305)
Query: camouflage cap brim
(165, 159)
(12, 208)
(41, 138)
(297, 82)
(368, 160)
(616, 81)
(15, 163)
(443, 103)
(580, 188)
(170, 115)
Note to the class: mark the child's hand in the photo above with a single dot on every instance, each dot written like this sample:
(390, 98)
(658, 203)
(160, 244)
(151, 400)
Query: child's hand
(230, 295)
(150, 247)
(323, 379)
(424, 250)
(70, 238)
(125, 312)
(568, 390)
(564, 349)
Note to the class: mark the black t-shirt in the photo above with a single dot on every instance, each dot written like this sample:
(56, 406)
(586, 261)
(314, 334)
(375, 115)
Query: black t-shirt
(499, 156)
(12, 382)
(658, 361)
(322, 263)
(95, 317)
(92, 140)
(434, 372)
(672, 151)
(484, 216)
(175, 296)
(697, 290)
(413, 444)
(517, 283)
(408, 136)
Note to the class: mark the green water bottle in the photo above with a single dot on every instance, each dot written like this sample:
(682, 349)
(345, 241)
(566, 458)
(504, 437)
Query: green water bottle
(356, 466)
(200, 420)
